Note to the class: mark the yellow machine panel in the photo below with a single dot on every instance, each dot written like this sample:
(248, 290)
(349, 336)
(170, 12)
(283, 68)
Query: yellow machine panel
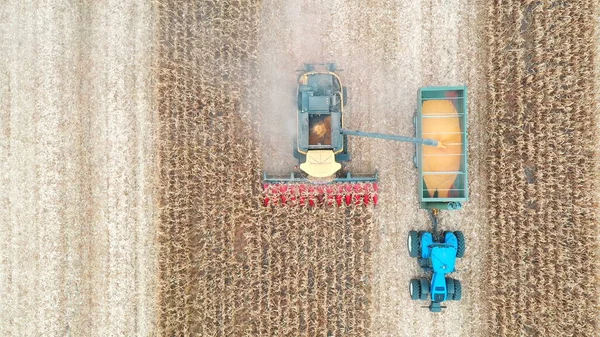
(320, 164)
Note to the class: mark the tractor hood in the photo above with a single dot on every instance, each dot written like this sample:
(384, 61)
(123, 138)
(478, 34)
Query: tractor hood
(443, 258)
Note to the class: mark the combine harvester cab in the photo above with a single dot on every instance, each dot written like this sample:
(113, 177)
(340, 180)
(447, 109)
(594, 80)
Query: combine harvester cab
(321, 149)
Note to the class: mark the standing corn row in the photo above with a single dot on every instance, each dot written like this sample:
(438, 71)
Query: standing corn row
(228, 266)
(208, 165)
(543, 253)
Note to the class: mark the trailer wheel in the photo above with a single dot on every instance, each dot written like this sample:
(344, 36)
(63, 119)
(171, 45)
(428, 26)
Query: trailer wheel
(457, 291)
(413, 243)
(460, 250)
(414, 289)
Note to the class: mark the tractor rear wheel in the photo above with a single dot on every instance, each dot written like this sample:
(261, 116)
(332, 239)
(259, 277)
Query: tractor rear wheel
(450, 282)
(424, 263)
(413, 243)
(460, 238)
(457, 291)
(415, 289)
(424, 288)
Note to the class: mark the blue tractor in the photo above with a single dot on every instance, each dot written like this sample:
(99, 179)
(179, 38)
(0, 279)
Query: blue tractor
(438, 257)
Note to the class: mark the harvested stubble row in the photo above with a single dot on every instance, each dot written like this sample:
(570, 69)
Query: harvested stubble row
(543, 252)
(229, 266)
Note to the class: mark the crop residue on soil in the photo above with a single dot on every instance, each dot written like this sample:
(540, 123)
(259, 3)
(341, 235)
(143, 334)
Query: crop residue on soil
(76, 169)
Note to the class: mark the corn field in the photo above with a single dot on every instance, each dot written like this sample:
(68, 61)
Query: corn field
(542, 169)
(227, 265)
(134, 135)
(230, 267)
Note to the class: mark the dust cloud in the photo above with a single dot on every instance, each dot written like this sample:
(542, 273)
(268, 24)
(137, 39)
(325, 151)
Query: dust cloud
(291, 36)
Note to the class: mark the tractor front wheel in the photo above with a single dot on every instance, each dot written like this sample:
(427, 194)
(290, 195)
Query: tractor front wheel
(457, 291)
(413, 243)
(449, 288)
(415, 289)
(424, 282)
(460, 238)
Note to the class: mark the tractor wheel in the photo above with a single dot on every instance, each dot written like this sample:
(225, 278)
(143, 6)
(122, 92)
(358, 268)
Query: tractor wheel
(450, 287)
(420, 236)
(413, 243)
(345, 95)
(457, 291)
(415, 289)
(460, 251)
(424, 288)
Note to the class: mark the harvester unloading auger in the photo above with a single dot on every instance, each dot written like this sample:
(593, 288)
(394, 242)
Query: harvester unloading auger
(322, 177)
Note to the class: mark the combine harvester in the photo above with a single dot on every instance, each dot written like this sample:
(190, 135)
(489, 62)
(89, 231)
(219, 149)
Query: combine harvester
(322, 178)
